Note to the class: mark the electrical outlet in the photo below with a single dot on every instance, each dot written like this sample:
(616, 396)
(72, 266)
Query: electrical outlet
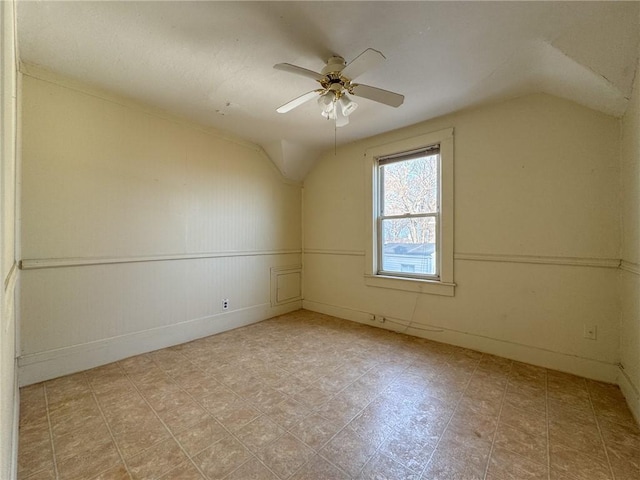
(591, 332)
(225, 304)
(380, 318)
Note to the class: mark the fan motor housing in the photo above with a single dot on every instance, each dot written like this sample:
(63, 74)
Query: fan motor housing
(335, 64)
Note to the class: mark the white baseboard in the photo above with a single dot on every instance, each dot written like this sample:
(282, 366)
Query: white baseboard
(585, 367)
(13, 467)
(631, 392)
(37, 367)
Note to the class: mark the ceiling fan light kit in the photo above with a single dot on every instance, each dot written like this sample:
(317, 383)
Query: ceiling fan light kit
(336, 81)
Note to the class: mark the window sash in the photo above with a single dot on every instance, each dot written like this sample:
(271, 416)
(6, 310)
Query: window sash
(411, 155)
(380, 217)
(397, 273)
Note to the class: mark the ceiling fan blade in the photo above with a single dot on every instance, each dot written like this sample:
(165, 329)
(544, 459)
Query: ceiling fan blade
(378, 95)
(287, 67)
(296, 102)
(363, 62)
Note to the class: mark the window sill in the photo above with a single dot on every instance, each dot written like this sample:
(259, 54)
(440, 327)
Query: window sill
(432, 287)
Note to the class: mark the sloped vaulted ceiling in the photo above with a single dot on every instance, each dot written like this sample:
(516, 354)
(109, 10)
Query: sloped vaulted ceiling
(212, 61)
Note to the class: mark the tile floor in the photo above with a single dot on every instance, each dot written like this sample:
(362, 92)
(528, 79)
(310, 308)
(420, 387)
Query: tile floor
(307, 396)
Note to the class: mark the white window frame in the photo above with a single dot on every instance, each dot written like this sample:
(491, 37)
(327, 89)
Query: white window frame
(443, 284)
(380, 216)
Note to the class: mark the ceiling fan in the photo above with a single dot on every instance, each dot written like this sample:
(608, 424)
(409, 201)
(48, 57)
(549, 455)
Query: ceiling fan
(336, 80)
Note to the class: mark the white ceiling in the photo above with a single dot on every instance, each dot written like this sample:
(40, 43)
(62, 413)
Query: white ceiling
(212, 62)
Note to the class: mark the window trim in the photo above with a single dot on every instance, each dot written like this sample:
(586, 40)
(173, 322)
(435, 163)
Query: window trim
(444, 285)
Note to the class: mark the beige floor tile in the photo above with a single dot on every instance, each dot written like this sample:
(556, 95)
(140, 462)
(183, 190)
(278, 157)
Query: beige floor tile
(528, 446)
(86, 418)
(340, 410)
(184, 471)
(614, 411)
(584, 437)
(170, 400)
(157, 460)
(34, 456)
(529, 421)
(252, 470)
(34, 431)
(121, 404)
(381, 467)
(81, 441)
(579, 464)
(119, 472)
(411, 448)
(133, 440)
(265, 397)
(624, 434)
(471, 428)
(220, 402)
(376, 428)
(66, 388)
(525, 397)
(237, 416)
(139, 363)
(489, 408)
(197, 383)
(570, 399)
(448, 465)
(69, 405)
(443, 391)
(88, 460)
(579, 413)
(133, 418)
(315, 430)
(625, 464)
(317, 468)
(505, 464)
(564, 383)
(201, 435)
(601, 391)
(259, 432)
(312, 397)
(482, 387)
(285, 455)
(33, 413)
(555, 474)
(32, 402)
(48, 474)
(288, 413)
(183, 417)
(431, 415)
(349, 451)
(222, 458)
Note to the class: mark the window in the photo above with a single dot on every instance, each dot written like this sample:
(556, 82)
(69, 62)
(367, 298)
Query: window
(410, 214)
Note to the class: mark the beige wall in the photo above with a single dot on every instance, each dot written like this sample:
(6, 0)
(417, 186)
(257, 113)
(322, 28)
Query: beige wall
(10, 274)
(135, 227)
(536, 180)
(629, 280)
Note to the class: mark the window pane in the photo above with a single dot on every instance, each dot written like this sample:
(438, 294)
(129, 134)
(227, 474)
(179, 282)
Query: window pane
(409, 245)
(410, 186)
